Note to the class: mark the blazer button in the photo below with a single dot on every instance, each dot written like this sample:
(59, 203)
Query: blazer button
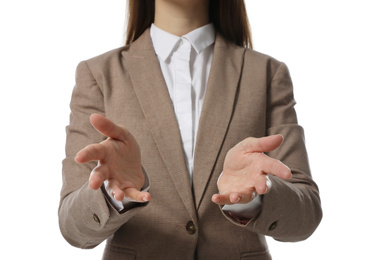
(191, 228)
(96, 219)
(273, 226)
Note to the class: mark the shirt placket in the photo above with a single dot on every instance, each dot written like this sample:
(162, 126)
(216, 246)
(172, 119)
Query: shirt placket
(183, 98)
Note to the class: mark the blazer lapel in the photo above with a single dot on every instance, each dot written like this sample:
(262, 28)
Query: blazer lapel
(150, 87)
(216, 111)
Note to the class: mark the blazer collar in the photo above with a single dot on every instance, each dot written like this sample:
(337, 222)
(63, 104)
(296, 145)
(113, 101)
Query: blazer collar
(150, 88)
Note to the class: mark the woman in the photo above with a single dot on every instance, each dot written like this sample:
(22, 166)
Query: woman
(179, 166)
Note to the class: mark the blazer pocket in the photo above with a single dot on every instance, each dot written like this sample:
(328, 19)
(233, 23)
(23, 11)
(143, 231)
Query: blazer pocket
(259, 255)
(115, 252)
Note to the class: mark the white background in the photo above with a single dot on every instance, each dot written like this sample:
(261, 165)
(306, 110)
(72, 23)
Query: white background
(325, 43)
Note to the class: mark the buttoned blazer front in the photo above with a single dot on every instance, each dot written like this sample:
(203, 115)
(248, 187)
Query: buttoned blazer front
(248, 95)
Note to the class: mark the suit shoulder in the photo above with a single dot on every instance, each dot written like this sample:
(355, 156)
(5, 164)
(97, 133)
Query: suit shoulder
(261, 62)
(258, 57)
(105, 64)
(107, 58)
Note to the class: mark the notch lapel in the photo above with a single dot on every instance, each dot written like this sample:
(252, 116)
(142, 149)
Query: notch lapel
(150, 87)
(216, 112)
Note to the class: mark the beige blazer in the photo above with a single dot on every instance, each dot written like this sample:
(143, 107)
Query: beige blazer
(248, 94)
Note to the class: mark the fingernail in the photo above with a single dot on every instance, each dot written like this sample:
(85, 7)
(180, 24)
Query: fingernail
(145, 199)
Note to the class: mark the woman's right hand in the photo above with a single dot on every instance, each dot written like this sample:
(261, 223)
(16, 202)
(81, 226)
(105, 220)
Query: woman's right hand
(119, 161)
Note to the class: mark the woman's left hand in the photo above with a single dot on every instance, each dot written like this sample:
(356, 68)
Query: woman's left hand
(246, 170)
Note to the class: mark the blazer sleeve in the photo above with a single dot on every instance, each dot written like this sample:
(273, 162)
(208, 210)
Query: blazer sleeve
(291, 211)
(86, 217)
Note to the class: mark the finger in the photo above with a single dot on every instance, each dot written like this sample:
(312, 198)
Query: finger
(275, 167)
(226, 199)
(263, 184)
(136, 195)
(263, 144)
(97, 176)
(117, 193)
(232, 198)
(220, 199)
(247, 198)
(92, 152)
(107, 128)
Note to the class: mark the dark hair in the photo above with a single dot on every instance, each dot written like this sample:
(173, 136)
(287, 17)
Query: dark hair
(228, 16)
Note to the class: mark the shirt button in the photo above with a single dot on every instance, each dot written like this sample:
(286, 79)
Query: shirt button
(191, 228)
(96, 219)
(273, 226)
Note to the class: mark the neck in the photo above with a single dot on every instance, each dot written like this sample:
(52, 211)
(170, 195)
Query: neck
(180, 17)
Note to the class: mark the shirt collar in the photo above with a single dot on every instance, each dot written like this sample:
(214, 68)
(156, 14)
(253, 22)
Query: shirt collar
(164, 43)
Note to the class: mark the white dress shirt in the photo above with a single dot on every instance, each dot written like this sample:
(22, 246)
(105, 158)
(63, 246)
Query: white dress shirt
(185, 64)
